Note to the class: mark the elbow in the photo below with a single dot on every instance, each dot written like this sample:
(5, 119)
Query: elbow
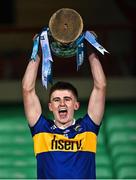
(104, 85)
(101, 85)
(26, 87)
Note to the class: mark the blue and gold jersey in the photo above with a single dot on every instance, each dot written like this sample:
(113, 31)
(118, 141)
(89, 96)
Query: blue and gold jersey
(65, 153)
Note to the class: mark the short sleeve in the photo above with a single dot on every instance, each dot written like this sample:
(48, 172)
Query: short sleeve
(40, 126)
(89, 125)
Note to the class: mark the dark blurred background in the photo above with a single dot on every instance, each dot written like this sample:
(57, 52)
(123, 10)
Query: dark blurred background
(114, 22)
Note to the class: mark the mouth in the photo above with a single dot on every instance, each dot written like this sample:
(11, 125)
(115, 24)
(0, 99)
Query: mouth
(63, 112)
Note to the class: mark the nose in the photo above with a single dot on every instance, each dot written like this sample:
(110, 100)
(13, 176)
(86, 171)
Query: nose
(62, 102)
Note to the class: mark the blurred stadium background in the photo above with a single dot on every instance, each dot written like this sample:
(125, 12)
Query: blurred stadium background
(114, 21)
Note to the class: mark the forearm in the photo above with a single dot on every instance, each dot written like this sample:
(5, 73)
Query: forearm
(29, 79)
(97, 72)
(97, 98)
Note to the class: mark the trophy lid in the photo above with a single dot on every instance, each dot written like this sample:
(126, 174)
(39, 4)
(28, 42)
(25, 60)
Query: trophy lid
(65, 25)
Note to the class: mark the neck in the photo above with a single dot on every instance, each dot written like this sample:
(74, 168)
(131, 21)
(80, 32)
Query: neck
(64, 125)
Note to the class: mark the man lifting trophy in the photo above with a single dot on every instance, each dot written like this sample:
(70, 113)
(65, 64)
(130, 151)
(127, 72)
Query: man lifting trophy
(65, 147)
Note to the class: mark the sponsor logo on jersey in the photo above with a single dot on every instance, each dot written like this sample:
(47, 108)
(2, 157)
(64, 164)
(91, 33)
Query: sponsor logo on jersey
(65, 144)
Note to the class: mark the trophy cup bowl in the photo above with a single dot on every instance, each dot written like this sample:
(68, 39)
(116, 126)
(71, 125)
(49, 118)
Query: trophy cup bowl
(66, 25)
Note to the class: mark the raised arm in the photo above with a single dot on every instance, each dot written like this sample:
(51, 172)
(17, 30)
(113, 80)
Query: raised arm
(32, 104)
(97, 98)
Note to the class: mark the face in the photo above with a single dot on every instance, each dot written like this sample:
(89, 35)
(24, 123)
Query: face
(63, 104)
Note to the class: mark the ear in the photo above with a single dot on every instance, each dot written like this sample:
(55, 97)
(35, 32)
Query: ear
(50, 106)
(77, 105)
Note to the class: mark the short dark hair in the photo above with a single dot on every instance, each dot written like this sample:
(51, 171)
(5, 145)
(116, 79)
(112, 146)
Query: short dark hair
(63, 86)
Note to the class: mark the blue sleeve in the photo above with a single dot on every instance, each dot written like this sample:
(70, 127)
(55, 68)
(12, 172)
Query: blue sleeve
(89, 125)
(42, 125)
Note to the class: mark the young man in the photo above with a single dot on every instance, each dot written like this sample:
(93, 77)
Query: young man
(65, 148)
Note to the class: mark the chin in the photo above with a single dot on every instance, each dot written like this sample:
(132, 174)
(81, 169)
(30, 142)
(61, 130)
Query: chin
(65, 120)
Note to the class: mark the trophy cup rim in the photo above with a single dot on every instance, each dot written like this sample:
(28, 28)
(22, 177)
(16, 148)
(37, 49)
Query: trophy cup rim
(66, 25)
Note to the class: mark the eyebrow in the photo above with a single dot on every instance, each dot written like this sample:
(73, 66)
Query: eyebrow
(59, 98)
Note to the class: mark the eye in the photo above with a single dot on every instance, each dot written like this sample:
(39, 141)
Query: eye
(56, 100)
(67, 99)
